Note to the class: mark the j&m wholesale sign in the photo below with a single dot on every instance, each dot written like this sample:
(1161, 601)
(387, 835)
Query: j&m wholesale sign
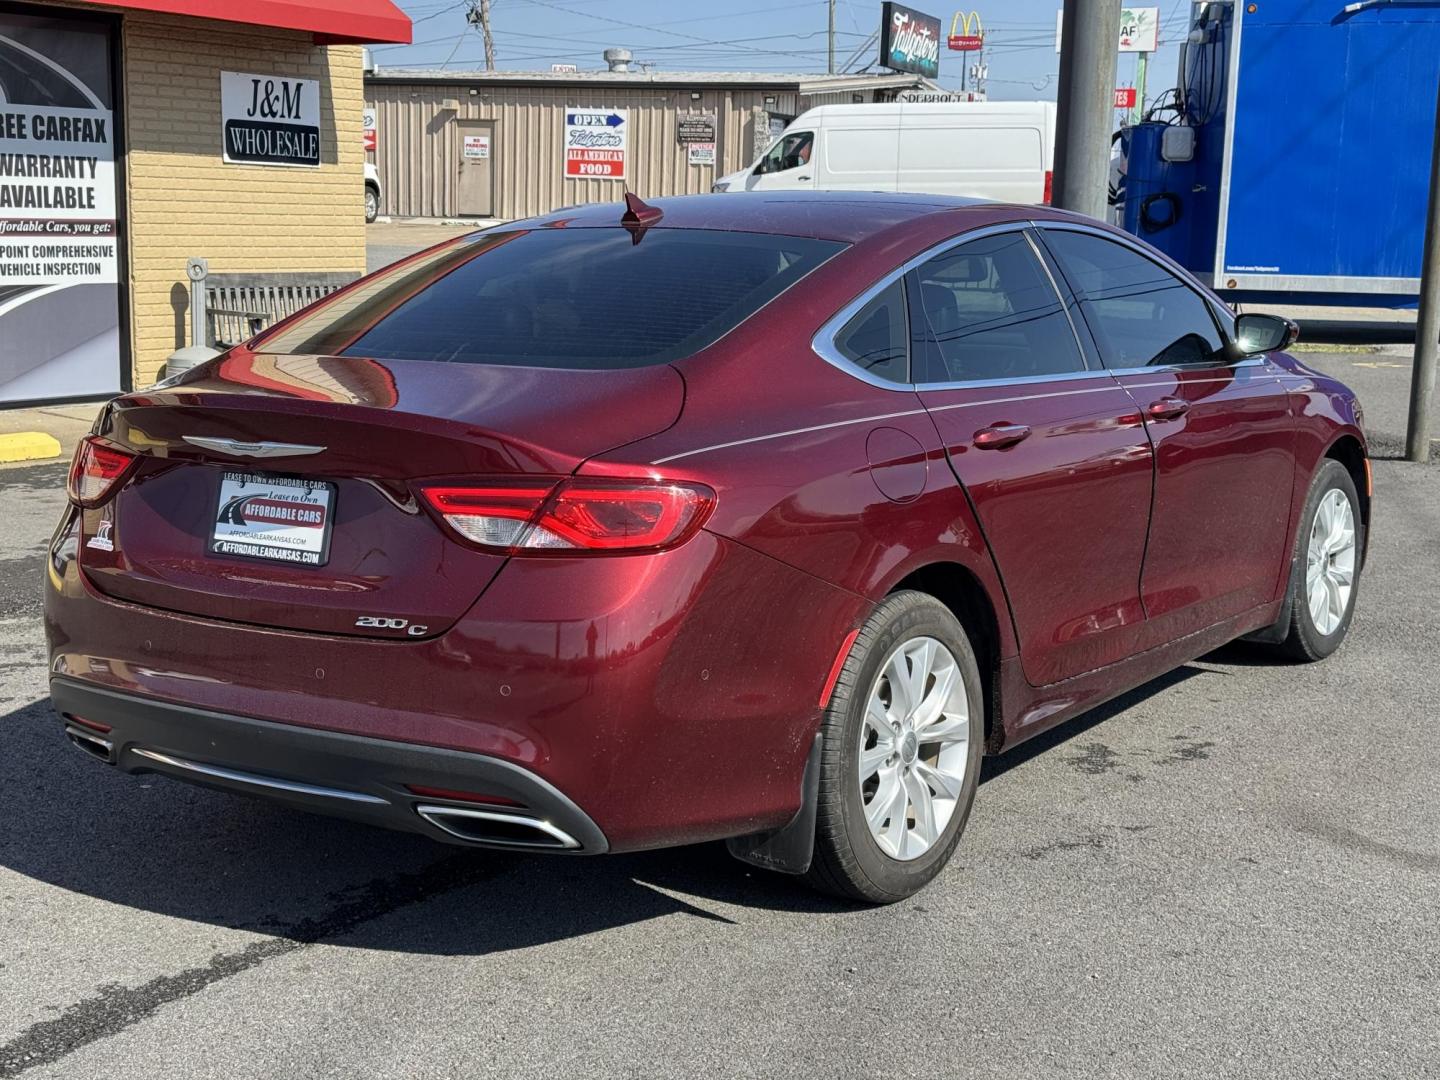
(270, 120)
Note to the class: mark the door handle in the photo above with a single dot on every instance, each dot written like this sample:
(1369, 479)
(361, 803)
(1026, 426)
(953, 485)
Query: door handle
(802, 178)
(1167, 408)
(999, 436)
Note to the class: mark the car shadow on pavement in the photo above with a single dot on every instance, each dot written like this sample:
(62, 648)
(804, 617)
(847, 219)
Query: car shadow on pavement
(156, 845)
(999, 765)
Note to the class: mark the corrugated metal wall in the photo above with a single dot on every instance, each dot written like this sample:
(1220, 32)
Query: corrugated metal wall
(418, 153)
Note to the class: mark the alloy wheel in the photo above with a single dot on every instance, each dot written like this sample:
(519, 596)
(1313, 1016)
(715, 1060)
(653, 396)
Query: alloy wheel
(914, 746)
(1330, 562)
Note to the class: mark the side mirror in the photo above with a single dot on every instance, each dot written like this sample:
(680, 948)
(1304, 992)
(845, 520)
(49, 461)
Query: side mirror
(1255, 334)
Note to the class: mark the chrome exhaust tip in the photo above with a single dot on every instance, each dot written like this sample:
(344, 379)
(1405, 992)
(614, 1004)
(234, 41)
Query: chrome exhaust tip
(499, 829)
(92, 744)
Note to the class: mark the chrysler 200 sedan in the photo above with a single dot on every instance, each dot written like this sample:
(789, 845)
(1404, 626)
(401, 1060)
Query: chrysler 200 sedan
(758, 519)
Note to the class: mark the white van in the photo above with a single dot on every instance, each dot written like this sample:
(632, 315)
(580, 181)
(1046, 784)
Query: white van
(1001, 150)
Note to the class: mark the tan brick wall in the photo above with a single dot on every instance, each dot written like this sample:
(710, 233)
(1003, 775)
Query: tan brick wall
(183, 200)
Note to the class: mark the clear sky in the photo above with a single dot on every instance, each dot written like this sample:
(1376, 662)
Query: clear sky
(750, 35)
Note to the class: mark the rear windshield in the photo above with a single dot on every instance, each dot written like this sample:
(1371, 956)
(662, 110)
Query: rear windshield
(583, 298)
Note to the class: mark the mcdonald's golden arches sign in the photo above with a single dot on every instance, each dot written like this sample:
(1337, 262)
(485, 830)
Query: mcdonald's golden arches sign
(966, 33)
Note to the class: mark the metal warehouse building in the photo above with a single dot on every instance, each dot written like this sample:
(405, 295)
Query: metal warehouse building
(512, 144)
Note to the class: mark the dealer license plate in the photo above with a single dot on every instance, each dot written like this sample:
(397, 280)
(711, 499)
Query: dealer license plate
(275, 518)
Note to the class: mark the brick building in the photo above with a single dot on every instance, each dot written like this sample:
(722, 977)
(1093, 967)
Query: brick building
(138, 133)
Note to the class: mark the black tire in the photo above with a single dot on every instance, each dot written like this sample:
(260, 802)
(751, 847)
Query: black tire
(1303, 640)
(848, 862)
(372, 204)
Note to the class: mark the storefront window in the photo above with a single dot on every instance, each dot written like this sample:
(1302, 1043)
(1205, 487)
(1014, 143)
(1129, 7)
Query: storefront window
(59, 265)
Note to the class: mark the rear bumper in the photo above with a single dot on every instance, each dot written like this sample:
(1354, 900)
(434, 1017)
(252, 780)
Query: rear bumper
(674, 697)
(329, 772)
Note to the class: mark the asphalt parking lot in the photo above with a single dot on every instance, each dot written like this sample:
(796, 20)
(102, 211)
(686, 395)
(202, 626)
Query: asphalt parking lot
(1231, 872)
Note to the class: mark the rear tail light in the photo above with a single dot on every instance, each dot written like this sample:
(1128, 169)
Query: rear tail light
(1049, 187)
(97, 469)
(574, 516)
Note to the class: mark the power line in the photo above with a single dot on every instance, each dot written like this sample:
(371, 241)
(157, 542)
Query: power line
(639, 26)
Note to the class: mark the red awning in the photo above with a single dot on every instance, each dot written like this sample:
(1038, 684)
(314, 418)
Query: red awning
(333, 22)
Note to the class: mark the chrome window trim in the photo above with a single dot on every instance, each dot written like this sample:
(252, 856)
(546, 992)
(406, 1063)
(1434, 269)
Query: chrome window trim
(1064, 305)
(850, 312)
(1018, 380)
(823, 343)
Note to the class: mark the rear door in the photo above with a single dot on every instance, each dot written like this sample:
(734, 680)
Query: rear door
(1222, 431)
(1051, 451)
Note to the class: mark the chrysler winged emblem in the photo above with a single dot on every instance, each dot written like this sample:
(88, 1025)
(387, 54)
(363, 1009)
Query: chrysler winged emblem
(241, 448)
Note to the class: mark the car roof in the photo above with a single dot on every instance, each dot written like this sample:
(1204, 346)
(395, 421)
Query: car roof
(848, 216)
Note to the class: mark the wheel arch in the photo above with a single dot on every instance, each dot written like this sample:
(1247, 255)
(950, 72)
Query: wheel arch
(1349, 451)
(961, 590)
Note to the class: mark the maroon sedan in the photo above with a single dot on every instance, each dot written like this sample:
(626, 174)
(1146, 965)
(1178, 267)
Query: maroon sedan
(755, 518)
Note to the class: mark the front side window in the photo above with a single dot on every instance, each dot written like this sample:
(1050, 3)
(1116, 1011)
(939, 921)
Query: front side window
(876, 339)
(1141, 314)
(791, 152)
(992, 313)
(563, 298)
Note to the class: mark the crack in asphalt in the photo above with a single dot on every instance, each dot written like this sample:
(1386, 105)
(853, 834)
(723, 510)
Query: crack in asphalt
(1089, 842)
(115, 1008)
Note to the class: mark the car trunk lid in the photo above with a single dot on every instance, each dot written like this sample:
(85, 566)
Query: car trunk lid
(335, 444)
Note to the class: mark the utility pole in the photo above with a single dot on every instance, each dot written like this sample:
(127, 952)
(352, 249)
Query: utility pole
(479, 15)
(831, 67)
(1427, 322)
(1086, 109)
(1142, 67)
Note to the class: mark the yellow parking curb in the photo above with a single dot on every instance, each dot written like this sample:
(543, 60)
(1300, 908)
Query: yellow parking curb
(28, 446)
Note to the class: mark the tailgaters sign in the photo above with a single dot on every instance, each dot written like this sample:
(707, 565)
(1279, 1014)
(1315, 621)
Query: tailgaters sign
(270, 119)
(909, 40)
(597, 143)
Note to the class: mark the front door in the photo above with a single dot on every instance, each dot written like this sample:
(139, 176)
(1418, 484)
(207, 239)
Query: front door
(475, 187)
(786, 166)
(1222, 431)
(1052, 452)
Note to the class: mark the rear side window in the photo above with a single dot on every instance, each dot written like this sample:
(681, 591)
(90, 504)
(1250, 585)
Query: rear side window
(992, 313)
(1141, 314)
(876, 339)
(581, 298)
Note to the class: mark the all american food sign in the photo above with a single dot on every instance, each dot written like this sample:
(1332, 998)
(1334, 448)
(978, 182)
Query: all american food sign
(597, 143)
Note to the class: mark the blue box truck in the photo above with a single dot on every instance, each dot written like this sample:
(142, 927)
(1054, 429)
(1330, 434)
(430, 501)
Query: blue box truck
(1292, 160)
